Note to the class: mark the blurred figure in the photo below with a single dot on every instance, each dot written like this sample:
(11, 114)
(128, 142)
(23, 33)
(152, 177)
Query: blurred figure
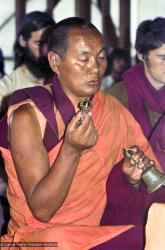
(143, 86)
(2, 71)
(30, 54)
(4, 214)
(117, 63)
(4, 206)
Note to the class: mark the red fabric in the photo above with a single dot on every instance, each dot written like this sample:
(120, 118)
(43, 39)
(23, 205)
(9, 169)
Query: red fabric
(157, 141)
(140, 91)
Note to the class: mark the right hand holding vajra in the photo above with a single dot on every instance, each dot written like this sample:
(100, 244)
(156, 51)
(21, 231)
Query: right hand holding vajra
(81, 133)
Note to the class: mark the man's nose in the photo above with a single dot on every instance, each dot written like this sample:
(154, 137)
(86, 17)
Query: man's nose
(44, 49)
(94, 65)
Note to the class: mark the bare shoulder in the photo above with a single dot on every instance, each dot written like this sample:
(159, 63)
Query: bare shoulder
(24, 127)
(23, 115)
(24, 110)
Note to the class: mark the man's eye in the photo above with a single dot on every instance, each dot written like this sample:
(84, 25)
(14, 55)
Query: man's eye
(38, 43)
(102, 56)
(162, 58)
(84, 59)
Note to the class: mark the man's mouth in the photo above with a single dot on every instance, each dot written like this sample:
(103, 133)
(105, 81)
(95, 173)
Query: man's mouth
(94, 82)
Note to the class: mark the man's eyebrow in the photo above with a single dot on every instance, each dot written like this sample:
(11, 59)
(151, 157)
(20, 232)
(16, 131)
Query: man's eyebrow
(88, 52)
(84, 52)
(102, 50)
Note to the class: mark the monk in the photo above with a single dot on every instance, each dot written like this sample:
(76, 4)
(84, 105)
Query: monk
(60, 142)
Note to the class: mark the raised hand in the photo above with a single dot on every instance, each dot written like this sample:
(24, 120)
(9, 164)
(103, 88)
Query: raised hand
(80, 132)
(135, 162)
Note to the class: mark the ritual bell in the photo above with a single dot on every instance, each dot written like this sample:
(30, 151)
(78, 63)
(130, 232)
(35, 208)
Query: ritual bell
(153, 178)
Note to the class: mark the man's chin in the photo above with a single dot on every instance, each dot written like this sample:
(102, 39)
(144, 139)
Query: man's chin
(39, 67)
(92, 91)
(95, 88)
(39, 71)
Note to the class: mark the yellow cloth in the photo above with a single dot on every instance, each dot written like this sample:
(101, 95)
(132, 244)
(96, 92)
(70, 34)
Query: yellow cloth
(20, 78)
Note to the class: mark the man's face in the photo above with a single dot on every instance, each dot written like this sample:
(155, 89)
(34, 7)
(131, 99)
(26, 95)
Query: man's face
(81, 71)
(119, 65)
(35, 56)
(154, 66)
(37, 44)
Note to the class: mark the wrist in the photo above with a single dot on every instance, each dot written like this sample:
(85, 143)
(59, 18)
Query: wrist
(134, 183)
(71, 151)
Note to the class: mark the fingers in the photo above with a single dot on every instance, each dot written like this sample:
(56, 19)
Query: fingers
(81, 131)
(82, 120)
(92, 136)
(78, 122)
(138, 158)
(89, 131)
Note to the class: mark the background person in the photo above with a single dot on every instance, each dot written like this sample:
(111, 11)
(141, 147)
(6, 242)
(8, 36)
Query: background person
(143, 86)
(117, 63)
(2, 66)
(30, 54)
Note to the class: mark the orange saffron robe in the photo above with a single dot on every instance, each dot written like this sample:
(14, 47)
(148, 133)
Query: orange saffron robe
(75, 226)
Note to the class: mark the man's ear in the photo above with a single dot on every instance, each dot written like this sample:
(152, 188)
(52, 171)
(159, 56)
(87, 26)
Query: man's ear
(54, 61)
(21, 41)
(140, 56)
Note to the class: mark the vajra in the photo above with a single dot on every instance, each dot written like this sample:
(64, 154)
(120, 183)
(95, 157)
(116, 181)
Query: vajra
(85, 107)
